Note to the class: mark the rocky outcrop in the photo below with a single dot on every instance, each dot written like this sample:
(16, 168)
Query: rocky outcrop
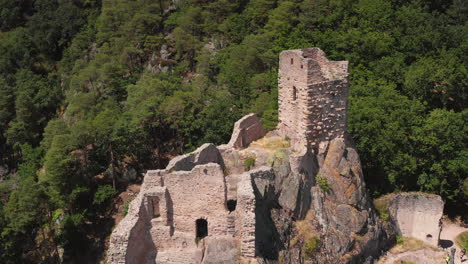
(343, 208)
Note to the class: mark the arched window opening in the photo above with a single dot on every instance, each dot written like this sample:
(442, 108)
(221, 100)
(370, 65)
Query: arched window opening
(294, 95)
(231, 205)
(428, 236)
(154, 203)
(292, 61)
(201, 228)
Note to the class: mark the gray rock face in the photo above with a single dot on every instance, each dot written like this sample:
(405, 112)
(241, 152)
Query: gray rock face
(330, 189)
(348, 220)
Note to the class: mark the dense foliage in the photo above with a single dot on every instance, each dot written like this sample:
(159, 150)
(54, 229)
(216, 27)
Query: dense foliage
(92, 91)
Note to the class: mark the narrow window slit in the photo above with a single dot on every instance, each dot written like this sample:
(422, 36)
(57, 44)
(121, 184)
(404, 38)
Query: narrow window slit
(294, 95)
(231, 205)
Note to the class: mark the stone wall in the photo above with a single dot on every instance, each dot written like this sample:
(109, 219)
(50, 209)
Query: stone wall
(206, 153)
(130, 242)
(200, 193)
(245, 216)
(417, 215)
(247, 129)
(312, 96)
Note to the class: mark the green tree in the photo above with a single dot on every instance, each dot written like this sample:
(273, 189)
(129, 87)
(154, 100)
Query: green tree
(442, 153)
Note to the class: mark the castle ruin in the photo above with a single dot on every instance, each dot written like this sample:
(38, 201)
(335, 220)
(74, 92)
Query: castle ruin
(237, 203)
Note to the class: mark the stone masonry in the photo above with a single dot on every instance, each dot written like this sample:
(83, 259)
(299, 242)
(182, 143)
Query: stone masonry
(312, 95)
(418, 215)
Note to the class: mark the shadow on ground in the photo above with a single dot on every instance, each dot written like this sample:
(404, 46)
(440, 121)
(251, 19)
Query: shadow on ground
(446, 243)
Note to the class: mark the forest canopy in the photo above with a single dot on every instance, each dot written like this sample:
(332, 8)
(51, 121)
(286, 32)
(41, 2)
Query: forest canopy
(92, 91)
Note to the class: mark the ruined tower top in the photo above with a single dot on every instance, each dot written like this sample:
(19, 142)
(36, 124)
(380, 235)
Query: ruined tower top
(313, 94)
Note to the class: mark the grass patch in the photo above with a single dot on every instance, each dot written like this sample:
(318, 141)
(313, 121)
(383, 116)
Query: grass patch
(409, 244)
(271, 143)
(249, 162)
(462, 240)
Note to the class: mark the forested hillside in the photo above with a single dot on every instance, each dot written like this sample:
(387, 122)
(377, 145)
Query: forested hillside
(92, 92)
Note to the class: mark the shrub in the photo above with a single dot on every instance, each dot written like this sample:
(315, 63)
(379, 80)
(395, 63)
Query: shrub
(249, 163)
(399, 239)
(322, 182)
(125, 207)
(310, 246)
(462, 240)
(381, 205)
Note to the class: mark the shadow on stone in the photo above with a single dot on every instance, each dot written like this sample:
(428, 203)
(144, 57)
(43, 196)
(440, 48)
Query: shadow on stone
(267, 238)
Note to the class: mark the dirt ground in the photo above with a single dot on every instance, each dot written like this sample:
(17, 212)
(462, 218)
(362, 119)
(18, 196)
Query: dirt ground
(450, 230)
(425, 254)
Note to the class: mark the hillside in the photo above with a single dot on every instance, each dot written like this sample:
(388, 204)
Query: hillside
(94, 93)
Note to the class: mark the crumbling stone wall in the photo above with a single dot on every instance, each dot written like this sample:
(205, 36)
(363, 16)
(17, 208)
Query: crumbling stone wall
(417, 215)
(246, 130)
(198, 194)
(206, 153)
(245, 216)
(312, 96)
(161, 220)
(130, 241)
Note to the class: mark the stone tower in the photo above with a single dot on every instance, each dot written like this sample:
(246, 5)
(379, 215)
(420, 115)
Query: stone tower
(312, 96)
